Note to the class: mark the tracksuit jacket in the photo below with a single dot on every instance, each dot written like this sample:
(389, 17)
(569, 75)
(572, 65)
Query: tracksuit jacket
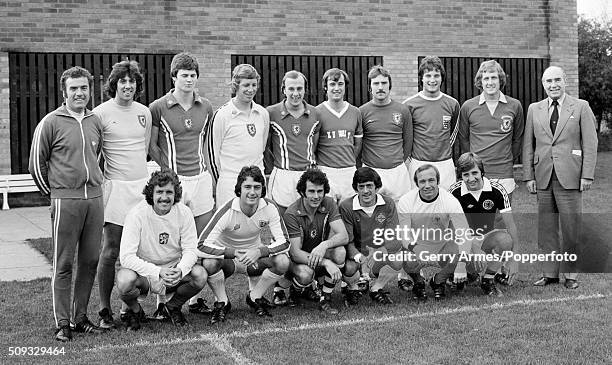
(63, 156)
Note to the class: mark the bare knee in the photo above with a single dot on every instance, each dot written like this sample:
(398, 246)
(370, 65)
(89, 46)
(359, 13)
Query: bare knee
(280, 264)
(212, 266)
(126, 280)
(351, 268)
(198, 276)
(303, 274)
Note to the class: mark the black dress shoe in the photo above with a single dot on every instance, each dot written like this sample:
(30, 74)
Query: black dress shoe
(571, 284)
(543, 281)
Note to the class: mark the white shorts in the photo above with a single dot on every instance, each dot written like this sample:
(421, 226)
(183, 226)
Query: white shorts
(446, 168)
(283, 186)
(395, 181)
(340, 181)
(197, 193)
(509, 184)
(121, 196)
(225, 189)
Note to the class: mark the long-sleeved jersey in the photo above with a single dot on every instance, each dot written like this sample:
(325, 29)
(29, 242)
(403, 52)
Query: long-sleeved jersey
(151, 241)
(230, 230)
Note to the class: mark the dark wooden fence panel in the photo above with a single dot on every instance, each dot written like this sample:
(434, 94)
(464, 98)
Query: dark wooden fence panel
(523, 77)
(273, 67)
(35, 90)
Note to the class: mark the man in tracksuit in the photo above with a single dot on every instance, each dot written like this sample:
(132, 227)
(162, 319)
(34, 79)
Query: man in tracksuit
(63, 163)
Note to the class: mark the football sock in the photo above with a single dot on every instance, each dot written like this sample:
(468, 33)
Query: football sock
(351, 281)
(184, 291)
(402, 275)
(267, 279)
(161, 298)
(131, 297)
(328, 285)
(253, 280)
(194, 299)
(282, 284)
(386, 275)
(217, 285)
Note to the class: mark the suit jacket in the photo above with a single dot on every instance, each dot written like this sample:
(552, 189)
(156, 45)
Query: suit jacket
(572, 150)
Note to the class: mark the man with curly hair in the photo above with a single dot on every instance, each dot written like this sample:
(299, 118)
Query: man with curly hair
(127, 130)
(159, 251)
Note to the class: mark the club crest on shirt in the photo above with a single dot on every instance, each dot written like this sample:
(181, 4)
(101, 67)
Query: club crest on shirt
(506, 124)
(397, 118)
(236, 227)
(263, 224)
(188, 123)
(142, 120)
(380, 218)
(446, 121)
(251, 129)
(163, 238)
(296, 129)
(487, 204)
(313, 233)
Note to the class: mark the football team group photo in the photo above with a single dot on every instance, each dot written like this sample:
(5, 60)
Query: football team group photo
(325, 207)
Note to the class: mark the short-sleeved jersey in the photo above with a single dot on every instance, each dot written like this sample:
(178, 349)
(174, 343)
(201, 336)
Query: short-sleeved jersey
(230, 229)
(496, 138)
(293, 142)
(181, 133)
(480, 211)
(360, 226)
(127, 130)
(236, 139)
(434, 125)
(387, 134)
(313, 231)
(336, 146)
(431, 217)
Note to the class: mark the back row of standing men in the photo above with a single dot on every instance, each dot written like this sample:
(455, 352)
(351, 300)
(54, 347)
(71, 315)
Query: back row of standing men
(207, 150)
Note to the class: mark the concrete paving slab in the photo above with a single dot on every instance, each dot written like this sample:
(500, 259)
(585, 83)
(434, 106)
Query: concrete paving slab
(19, 261)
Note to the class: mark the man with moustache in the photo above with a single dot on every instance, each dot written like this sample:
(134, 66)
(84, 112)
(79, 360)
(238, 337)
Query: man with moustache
(238, 135)
(560, 153)
(127, 130)
(387, 135)
(293, 139)
(63, 164)
(158, 251)
(340, 135)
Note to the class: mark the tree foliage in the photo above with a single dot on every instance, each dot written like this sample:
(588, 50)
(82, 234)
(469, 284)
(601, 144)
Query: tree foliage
(595, 66)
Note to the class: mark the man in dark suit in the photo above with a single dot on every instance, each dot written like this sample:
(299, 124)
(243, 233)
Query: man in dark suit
(560, 152)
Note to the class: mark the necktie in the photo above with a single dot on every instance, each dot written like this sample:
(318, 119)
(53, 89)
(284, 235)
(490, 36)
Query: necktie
(554, 117)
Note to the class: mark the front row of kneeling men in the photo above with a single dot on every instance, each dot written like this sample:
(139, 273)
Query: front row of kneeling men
(315, 238)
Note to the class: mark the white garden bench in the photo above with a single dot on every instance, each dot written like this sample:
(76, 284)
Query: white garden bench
(20, 183)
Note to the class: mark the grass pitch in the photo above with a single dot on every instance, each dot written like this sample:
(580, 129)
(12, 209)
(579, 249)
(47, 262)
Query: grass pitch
(527, 325)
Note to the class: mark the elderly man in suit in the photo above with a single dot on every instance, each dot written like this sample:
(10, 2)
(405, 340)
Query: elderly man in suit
(560, 152)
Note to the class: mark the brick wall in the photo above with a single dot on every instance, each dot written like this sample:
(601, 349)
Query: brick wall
(212, 30)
